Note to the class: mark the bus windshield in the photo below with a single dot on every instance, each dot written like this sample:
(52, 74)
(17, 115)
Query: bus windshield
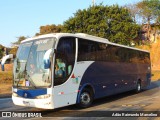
(29, 67)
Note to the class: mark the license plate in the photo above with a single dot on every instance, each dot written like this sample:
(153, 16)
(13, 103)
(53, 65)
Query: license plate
(26, 103)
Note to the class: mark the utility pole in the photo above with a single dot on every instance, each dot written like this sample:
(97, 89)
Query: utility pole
(93, 2)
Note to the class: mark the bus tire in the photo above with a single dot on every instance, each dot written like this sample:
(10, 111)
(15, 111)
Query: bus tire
(86, 98)
(138, 87)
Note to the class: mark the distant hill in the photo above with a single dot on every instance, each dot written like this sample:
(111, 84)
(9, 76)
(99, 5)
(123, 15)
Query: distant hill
(8, 67)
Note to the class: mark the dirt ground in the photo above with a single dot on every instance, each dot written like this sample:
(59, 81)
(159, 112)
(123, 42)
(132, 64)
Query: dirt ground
(8, 67)
(5, 89)
(6, 80)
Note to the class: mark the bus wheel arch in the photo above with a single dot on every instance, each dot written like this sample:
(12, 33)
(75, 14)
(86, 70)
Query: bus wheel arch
(86, 96)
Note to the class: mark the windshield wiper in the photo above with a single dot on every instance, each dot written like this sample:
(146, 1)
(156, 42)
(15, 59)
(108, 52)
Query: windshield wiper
(28, 76)
(19, 79)
(31, 81)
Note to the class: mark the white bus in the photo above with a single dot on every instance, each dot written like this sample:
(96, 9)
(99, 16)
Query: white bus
(56, 70)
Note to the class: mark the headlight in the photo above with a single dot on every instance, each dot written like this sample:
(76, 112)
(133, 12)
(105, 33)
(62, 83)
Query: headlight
(43, 96)
(15, 94)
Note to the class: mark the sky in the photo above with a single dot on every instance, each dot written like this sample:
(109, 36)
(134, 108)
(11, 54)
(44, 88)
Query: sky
(24, 17)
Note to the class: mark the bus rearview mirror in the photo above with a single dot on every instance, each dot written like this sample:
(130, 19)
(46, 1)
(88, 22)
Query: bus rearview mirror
(46, 58)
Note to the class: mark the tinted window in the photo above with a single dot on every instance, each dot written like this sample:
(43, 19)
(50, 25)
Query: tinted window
(96, 51)
(65, 58)
(86, 50)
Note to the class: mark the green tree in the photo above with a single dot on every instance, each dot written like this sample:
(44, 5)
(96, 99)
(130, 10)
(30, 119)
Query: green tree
(1, 51)
(13, 51)
(149, 10)
(112, 22)
(50, 29)
(133, 10)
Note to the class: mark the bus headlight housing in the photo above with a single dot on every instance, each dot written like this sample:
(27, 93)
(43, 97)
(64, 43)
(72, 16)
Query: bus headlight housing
(43, 96)
(15, 94)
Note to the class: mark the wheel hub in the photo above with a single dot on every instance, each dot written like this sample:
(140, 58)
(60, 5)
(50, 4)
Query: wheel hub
(85, 98)
(139, 87)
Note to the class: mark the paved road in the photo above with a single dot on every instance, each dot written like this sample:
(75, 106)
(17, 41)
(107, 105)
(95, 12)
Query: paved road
(147, 100)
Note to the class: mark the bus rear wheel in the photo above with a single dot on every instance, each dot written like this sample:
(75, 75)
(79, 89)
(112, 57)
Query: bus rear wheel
(138, 87)
(86, 98)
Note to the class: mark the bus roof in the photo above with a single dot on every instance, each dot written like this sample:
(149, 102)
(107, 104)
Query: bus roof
(79, 35)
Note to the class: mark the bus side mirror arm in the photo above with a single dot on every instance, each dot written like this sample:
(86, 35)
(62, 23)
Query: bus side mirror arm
(51, 57)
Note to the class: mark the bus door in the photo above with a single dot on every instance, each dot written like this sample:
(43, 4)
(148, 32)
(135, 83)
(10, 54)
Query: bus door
(64, 89)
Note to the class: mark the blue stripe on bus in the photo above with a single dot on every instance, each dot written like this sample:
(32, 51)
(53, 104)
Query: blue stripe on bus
(109, 78)
(31, 93)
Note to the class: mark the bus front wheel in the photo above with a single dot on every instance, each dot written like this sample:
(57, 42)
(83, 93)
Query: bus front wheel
(86, 98)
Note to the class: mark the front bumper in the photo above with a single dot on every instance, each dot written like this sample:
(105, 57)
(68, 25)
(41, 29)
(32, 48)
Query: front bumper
(46, 103)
